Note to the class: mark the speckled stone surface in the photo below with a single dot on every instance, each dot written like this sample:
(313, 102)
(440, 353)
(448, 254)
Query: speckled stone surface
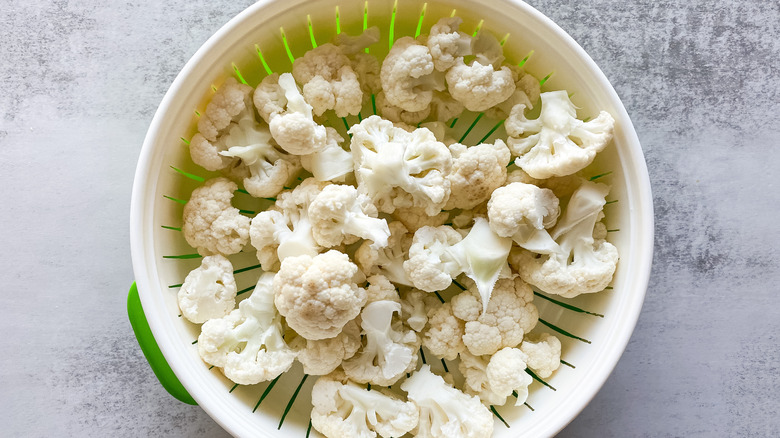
(81, 79)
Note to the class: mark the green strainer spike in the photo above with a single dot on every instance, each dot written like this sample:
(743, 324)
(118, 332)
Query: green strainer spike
(152, 352)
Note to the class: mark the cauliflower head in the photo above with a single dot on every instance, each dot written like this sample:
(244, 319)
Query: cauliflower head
(544, 353)
(269, 168)
(524, 212)
(478, 86)
(210, 223)
(341, 408)
(323, 356)
(285, 230)
(582, 263)
(447, 44)
(408, 77)
(396, 168)
(446, 412)
(329, 81)
(318, 295)
(387, 261)
(390, 349)
(341, 215)
(476, 172)
(494, 378)
(509, 316)
(248, 344)
(444, 334)
(209, 291)
(556, 143)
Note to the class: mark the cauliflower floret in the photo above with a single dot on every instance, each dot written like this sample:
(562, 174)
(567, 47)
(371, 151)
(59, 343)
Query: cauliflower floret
(415, 218)
(387, 261)
(293, 129)
(479, 87)
(444, 108)
(210, 223)
(343, 409)
(397, 114)
(231, 102)
(248, 343)
(323, 356)
(341, 215)
(444, 335)
(285, 229)
(462, 219)
(390, 349)
(438, 255)
(318, 295)
(494, 378)
(556, 143)
(581, 264)
(524, 212)
(414, 310)
(408, 77)
(509, 316)
(476, 172)
(544, 353)
(209, 291)
(329, 82)
(447, 44)
(269, 168)
(332, 163)
(396, 168)
(527, 90)
(446, 412)
(269, 98)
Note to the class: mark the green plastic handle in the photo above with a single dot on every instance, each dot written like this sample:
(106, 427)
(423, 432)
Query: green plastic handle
(152, 352)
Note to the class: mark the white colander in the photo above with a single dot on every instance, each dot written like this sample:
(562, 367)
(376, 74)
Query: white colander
(594, 329)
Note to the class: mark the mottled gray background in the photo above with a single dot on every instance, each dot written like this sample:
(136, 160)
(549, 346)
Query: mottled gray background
(80, 81)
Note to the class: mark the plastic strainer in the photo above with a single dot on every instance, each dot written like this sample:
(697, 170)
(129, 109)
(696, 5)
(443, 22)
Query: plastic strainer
(266, 37)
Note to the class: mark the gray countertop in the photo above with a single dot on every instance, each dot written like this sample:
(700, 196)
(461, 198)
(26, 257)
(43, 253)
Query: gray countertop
(81, 80)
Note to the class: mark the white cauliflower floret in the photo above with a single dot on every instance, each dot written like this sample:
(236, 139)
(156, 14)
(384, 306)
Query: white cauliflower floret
(295, 129)
(438, 255)
(318, 295)
(479, 87)
(285, 229)
(332, 163)
(328, 80)
(444, 335)
(210, 223)
(231, 102)
(447, 44)
(209, 291)
(415, 218)
(556, 143)
(414, 310)
(387, 261)
(323, 356)
(390, 349)
(248, 343)
(408, 77)
(464, 218)
(494, 378)
(527, 91)
(269, 98)
(446, 412)
(396, 114)
(352, 45)
(509, 316)
(544, 353)
(524, 212)
(341, 215)
(581, 264)
(269, 168)
(476, 172)
(396, 168)
(341, 409)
